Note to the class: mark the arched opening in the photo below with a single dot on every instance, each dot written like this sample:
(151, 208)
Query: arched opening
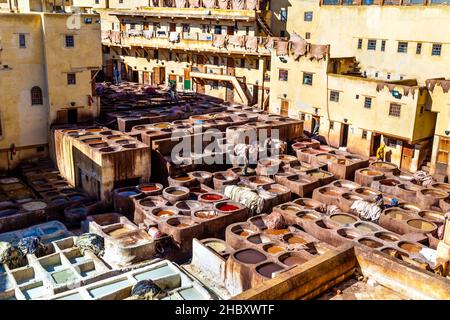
(36, 96)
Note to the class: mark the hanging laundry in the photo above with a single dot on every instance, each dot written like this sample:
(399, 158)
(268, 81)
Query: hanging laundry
(148, 34)
(299, 46)
(318, 51)
(238, 4)
(251, 43)
(210, 4)
(180, 3)
(106, 35)
(252, 4)
(194, 3)
(168, 3)
(269, 43)
(219, 40)
(237, 41)
(223, 4)
(174, 37)
(282, 48)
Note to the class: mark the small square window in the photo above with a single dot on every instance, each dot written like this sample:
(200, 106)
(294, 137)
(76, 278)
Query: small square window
(402, 47)
(360, 43)
(376, 74)
(308, 16)
(40, 149)
(308, 35)
(283, 14)
(436, 50)
(334, 96)
(22, 41)
(367, 102)
(372, 45)
(282, 33)
(307, 78)
(242, 63)
(394, 109)
(419, 48)
(97, 1)
(388, 76)
(283, 75)
(180, 79)
(218, 30)
(331, 125)
(70, 41)
(383, 45)
(71, 79)
(302, 117)
(364, 134)
(120, 1)
(215, 84)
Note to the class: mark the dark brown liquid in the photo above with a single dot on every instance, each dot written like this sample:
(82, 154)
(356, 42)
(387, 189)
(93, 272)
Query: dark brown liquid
(293, 260)
(250, 256)
(266, 270)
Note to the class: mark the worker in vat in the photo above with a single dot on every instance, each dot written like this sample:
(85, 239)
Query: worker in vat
(380, 152)
(116, 75)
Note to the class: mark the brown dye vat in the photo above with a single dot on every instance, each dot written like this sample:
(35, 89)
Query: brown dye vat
(93, 141)
(390, 182)
(409, 207)
(177, 192)
(123, 141)
(397, 215)
(371, 173)
(294, 239)
(394, 253)
(410, 247)
(291, 208)
(98, 145)
(349, 233)
(182, 178)
(434, 193)
(115, 137)
(329, 192)
(422, 225)
(162, 125)
(258, 180)
(250, 256)
(266, 270)
(276, 232)
(165, 213)
(118, 232)
(384, 165)
(206, 214)
(370, 243)
(258, 239)
(274, 249)
(324, 225)
(386, 236)
(275, 190)
(243, 232)
(307, 216)
(436, 217)
(107, 149)
(365, 192)
(292, 260)
(365, 227)
(343, 218)
(319, 174)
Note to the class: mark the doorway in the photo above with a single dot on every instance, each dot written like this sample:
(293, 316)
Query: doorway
(72, 116)
(407, 156)
(284, 108)
(135, 76)
(314, 121)
(376, 142)
(230, 30)
(230, 67)
(344, 135)
(173, 27)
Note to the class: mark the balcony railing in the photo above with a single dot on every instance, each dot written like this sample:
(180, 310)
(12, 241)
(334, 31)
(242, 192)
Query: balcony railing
(382, 2)
(210, 4)
(191, 41)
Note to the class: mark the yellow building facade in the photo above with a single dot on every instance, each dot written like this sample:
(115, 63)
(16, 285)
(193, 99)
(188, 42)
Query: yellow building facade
(46, 68)
(372, 87)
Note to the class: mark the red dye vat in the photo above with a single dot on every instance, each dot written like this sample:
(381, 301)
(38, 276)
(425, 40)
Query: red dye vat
(149, 188)
(211, 197)
(228, 207)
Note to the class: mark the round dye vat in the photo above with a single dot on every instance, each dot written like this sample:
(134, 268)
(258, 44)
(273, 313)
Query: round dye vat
(76, 197)
(165, 213)
(177, 192)
(266, 270)
(8, 212)
(423, 225)
(365, 227)
(243, 232)
(397, 215)
(370, 243)
(273, 249)
(59, 201)
(228, 207)
(205, 214)
(128, 193)
(307, 216)
(182, 178)
(211, 197)
(348, 233)
(410, 247)
(291, 208)
(371, 172)
(386, 236)
(216, 246)
(295, 240)
(250, 256)
(162, 125)
(276, 232)
(292, 260)
(343, 218)
(34, 205)
(149, 188)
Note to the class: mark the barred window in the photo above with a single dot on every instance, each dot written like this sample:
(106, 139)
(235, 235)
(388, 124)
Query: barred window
(394, 109)
(71, 79)
(70, 41)
(383, 45)
(22, 41)
(334, 96)
(419, 48)
(367, 102)
(308, 16)
(307, 78)
(436, 50)
(364, 134)
(360, 43)
(372, 45)
(283, 75)
(36, 96)
(402, 47)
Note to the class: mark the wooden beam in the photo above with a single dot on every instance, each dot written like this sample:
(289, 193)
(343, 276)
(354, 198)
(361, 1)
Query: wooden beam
(306, 280)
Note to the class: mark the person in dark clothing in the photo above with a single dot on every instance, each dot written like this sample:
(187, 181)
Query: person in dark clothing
(116, 75)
